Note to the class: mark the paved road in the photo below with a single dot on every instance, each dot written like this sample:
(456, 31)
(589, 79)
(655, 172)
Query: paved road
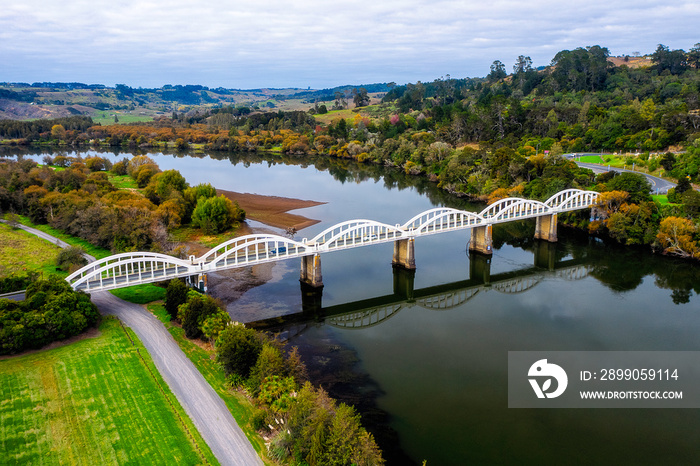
(658, 185)
(204, 406)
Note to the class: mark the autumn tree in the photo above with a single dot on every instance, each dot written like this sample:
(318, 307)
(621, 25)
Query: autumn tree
(678, 237)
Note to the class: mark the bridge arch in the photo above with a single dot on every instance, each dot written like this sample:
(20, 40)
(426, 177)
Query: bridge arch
(518, 285)
(366, 318)
(442, 219)
(252, 249)
(126, 269)
(572, 199)
(355, 233)
(447, 301)
(513, 208)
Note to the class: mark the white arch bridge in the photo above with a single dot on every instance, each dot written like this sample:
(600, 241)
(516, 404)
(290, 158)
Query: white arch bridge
(127, 269)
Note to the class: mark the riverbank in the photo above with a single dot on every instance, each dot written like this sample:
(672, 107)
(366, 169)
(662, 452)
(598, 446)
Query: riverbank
(273, 210)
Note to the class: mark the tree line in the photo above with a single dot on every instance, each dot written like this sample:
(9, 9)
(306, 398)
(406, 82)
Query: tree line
(77, 196)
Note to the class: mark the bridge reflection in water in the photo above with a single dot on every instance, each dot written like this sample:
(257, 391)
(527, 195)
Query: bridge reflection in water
(374, 311)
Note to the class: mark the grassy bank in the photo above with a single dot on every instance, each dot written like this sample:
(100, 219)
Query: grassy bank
(22, 252)
(97, 252)
(96, 401)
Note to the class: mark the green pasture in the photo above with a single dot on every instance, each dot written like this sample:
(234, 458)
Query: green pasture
(591, 159)
(97, 252)
(96, 401)
(122, 181)
(107, 118)
(140, 294)
(22, 252)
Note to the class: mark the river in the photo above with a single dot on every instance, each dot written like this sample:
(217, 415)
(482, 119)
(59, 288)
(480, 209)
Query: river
(430, 376)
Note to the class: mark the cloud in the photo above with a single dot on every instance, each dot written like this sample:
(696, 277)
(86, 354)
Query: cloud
(310, 42)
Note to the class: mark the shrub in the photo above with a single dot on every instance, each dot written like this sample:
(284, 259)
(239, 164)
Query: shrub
(71, 258)
(216, 214)
(237, 349)
(175, 295)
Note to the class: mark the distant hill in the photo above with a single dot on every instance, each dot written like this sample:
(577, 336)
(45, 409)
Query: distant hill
(21, 101)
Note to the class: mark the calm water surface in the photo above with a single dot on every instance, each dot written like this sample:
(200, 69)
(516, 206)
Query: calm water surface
(432, 383)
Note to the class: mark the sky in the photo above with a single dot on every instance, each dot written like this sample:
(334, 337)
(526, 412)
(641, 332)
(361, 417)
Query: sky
(246, 44)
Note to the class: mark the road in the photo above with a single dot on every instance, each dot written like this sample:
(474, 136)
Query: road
(202, 404)
(658, 185)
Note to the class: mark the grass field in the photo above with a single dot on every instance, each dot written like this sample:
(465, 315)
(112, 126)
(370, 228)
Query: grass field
(107, 118)
(122, 181)
(591, 159)
(96, 401)
(140, 294)
(22, 252)
(98, 253)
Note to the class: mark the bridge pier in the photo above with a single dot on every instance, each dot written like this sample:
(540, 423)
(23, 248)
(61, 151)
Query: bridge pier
(546, 228)
(481, 240)
(311, 271)
(200, 282)
(404, 280)
(404, 254)
(480, 267)
(545, 255)
(311, 300)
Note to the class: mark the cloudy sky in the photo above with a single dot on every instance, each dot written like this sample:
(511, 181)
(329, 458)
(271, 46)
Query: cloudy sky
(317, 43)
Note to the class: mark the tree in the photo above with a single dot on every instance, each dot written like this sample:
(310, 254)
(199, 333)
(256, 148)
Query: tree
(163, 185)
(175, 295)
(636, 185)
(58, 132)
(216, 214)
(675, 61)
(498, 71)
(361, 98)
(70, 258)
(237, 349)
(194, 313)
(694, 56)
(676, 237)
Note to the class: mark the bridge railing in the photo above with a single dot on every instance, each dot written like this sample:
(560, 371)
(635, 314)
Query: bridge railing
(255, 249)
(354, 233)
(127, 269)
(442, 219)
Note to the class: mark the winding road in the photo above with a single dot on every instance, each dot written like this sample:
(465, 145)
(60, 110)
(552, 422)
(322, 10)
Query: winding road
(658, 185)
(202, 404)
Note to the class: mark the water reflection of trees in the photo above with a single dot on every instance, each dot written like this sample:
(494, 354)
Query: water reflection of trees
(617, 267)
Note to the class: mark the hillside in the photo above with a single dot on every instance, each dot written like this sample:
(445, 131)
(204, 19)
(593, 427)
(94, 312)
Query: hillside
(24, 101)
